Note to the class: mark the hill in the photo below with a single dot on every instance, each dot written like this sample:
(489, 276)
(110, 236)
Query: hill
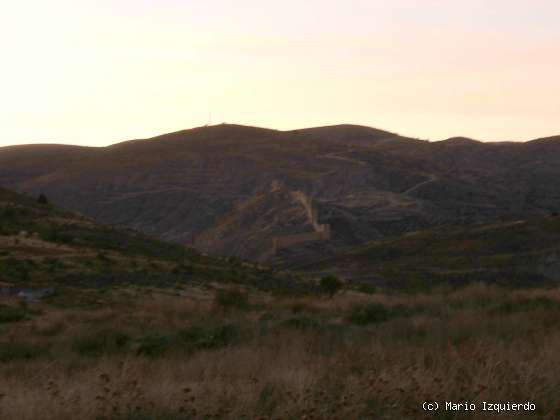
(231, 189)
(42, 246)
(518, 253)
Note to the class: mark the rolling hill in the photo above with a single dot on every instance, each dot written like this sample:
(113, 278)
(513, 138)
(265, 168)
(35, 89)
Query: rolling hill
(232, 190)
(43, 246)
(518, 253)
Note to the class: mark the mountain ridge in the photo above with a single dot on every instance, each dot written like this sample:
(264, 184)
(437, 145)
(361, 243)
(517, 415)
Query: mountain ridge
(341, 126)
(216, 183)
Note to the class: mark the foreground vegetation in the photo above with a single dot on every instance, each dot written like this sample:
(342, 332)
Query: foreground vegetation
(215, 352)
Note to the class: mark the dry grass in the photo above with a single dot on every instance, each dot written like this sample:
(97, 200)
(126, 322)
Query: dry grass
(183, 357)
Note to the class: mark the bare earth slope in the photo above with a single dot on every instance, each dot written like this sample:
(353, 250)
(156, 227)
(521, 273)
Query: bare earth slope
(230, 189)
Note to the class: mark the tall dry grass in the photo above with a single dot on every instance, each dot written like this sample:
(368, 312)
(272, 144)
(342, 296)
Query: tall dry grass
(290, 358)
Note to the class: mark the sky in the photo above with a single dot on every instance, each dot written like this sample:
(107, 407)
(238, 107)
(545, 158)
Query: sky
(96, 72)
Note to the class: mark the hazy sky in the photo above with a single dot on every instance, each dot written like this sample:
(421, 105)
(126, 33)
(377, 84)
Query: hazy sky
(97, 72)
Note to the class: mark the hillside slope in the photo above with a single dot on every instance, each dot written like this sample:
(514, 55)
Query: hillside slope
(523, 253)
(219, 187)
(43, 246)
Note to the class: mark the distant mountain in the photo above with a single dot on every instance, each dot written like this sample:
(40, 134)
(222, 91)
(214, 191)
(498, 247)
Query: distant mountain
(232, 189)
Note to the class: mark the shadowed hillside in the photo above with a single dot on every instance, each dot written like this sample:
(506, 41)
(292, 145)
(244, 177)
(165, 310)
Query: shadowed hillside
(518, 253)
(223, 186)
(43, 246)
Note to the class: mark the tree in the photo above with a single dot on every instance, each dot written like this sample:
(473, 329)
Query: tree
(330, 285)
(42, 199)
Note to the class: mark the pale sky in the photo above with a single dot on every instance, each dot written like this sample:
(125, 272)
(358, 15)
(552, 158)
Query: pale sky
(96, 72)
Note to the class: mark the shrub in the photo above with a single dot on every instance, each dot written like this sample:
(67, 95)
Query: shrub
(234, 260)
(16, 268)
(102, 257)
(42, 199)
(56, 234)
(197, 337)
(300, 307)
(231, 298)
(9, 212)
(51, 330)
(14, 350)
(54, 264)
(329, 285)
(301, 322)
(100, 342)
(269, 398)
(183, 269)
(153, 344)
(367, 288)
(11, 314)
(526, 305)
(368, 314)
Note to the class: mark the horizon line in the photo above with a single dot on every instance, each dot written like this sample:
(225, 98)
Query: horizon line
(392, 133)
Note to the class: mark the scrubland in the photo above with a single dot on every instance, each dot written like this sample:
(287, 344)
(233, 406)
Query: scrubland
(217, 352)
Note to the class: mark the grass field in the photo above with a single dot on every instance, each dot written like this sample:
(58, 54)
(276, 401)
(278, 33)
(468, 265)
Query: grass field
(215, 352)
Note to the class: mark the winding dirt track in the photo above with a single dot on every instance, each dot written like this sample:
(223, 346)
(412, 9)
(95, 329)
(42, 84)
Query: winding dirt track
(417, 186)
(334, 155)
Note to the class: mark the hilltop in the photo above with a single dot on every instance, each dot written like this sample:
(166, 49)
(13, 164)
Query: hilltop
(230, 189)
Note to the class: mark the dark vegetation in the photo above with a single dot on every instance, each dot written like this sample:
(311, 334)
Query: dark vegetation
(231, 298)
(12, 314)
(47, 246)
(519, 254)
(330, 285)
(42, 199)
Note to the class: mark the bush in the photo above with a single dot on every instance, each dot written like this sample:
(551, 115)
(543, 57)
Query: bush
(369, 313)
(8, 213)
(102, 257)
(11, 314)
(55, 234)
(100, 342)
(367, 288)
(42, 199)
(527, 305)
(153, 344)
(231, 298)
(183, 269)
(197, 337)
(13, 350)
(301, 322)
(329, 285)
